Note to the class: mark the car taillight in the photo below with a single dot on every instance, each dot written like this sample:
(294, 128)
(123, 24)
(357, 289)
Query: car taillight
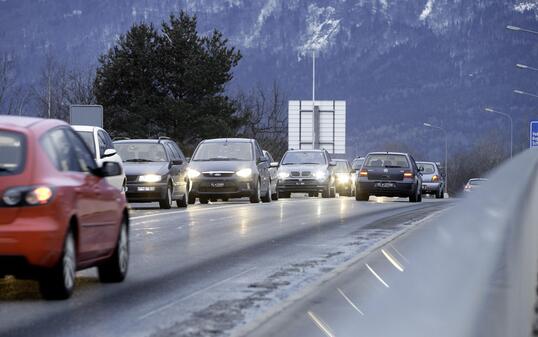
(408, 175)
(435, 178)
(363, 173)
(28, 196)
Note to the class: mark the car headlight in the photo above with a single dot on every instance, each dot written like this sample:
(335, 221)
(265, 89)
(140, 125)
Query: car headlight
(283, 175)
(192, 173)
(244, 173)
(320, 175)
(150, 178)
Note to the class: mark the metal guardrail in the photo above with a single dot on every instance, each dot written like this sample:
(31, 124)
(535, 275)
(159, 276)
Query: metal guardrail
(471, 272)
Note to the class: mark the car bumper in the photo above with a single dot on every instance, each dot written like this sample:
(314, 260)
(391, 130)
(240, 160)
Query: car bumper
(301, 186)
(431, 187)
(226, 187)
(143, 192)
(398, 188)
(30, 243)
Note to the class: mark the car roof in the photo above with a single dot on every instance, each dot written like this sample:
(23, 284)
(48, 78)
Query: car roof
(426, 162)
(344, 160)
(392, 153)
(149, 141)
(86, 128)
(229, 140)
(475, 179)
(306, 150)
(18, 122)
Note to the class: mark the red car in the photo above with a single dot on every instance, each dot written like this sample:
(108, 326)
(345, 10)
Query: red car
(57, 212)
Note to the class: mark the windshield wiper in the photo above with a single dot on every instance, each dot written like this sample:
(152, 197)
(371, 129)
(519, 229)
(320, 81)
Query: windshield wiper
(392, 166)
(138, 160)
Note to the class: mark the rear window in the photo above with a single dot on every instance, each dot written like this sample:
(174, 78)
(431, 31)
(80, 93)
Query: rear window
(387, 160)
(357, 163)
(12, 152)
(303, 158)
(428, 168)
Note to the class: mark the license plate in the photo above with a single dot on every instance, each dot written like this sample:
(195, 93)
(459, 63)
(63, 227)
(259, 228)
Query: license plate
(146, 189)
(218, 185)
(386, 185)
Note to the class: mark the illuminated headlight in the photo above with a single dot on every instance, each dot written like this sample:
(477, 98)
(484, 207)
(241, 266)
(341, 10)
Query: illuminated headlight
(192, 173)
(283, 175)
(343, 178)
(149, 178)
(244, 173)
(320, 175)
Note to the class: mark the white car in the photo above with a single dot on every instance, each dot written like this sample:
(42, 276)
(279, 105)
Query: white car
(103, 150)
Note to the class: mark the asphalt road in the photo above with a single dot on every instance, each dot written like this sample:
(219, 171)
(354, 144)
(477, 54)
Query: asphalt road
(205, 270)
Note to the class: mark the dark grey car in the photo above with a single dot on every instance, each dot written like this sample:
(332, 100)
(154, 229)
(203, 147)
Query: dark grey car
(156, 170)
(306, 171)
(229, 168)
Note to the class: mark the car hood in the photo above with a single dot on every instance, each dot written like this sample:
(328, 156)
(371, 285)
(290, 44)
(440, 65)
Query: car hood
(224, 165)
(299, 167)
(137, 169)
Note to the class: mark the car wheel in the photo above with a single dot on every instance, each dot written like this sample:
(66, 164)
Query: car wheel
(204, 200)
(115, 268)
(191, 199)
(326, 193)
(313, 194)
(332, 192)
(166, 203)
(439, 194)
(225, 199)
(414, 196)
(182, 203)
(362, 197)
(275, 196)
(267, 196)
(58, 282)
(256, 196)
(213, 199)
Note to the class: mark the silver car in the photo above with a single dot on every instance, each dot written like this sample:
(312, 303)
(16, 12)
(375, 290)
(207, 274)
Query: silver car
(432, 179)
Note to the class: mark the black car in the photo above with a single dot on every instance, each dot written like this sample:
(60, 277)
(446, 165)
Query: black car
(306, 171)
(345, 178)
(389, 174)
(229, 168)
(156, 170)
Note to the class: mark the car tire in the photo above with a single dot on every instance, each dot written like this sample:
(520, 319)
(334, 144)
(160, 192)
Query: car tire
(213, 199)
(326, 193)
(58, 282)
(204, 200)
(275, 196)
(284, 195)
(115, 269)
(362, 197)
(191, 199)
(439, 194)
(183, 202)
(267, 197)
(313, 195)
(166, 203)
(255, 197)
(414, 197)
(332, 192)
(225, 199)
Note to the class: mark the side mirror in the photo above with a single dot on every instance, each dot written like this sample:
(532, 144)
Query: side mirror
(332, 163)
(109, 169)
(262, 160)
(188, 159)
(421, 169)
(109, 153)
(176, 162)
(275, 164)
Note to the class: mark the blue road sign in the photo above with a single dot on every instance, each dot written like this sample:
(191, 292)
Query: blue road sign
(534, 134)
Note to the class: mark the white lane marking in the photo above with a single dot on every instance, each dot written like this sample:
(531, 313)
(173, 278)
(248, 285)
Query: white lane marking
(320, 324)
(377, 276)
(393, 260)
(398, 252)
(349, 301)
(171, 304)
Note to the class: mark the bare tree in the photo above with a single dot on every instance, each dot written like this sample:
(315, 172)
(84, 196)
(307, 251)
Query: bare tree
(266, 118)
(6, 76)
(80, 86)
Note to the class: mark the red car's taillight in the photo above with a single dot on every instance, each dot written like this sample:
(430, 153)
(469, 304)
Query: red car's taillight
(363, 173)
(408, 175)
(28, 196)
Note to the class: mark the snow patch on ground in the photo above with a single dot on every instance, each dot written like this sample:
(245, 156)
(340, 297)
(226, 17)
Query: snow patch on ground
(526, 6)
(322, 27)
(265, 12)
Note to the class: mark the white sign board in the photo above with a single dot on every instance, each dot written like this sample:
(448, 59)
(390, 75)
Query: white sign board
(91, 115)
(330, 134)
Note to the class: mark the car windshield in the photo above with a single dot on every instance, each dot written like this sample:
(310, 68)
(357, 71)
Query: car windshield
(141, 152)
(427, 168)
(476, 182)
(12, 152)
(87, 136)
(223, 151)
(387, 160)
(341, 167)
(303, 158)
(357, 163)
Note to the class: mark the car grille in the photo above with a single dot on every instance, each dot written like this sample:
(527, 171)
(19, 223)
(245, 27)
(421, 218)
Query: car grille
(131, 179)
(218, 174)
(300, 174)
